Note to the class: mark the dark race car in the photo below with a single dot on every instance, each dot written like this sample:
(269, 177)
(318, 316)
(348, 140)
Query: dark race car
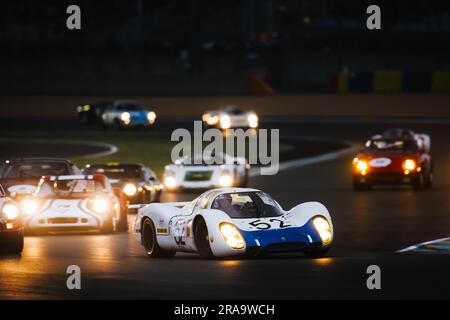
(397, 156)
(91, 113)
(138, 182)
(20, 177)
(11, 227)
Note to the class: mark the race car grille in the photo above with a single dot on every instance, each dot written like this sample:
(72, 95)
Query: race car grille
(62, 220)
(288, 246)
(198, 176)
(386, 175)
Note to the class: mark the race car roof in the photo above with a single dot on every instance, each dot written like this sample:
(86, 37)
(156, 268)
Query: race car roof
(38, 159)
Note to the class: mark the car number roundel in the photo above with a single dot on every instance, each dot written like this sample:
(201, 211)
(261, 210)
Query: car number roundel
(380, 162)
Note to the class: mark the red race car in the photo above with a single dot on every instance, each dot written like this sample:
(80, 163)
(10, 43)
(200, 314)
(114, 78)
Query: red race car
(398, 156)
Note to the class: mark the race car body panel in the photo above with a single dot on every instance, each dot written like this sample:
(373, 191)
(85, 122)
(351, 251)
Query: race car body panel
(285, 231)
(64, 213)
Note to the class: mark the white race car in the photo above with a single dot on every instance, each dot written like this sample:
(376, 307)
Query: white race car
(230, 117)
(198, 173)
(233, 221)
(73, 203)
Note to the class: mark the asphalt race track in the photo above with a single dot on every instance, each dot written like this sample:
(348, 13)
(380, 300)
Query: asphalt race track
(369, 228)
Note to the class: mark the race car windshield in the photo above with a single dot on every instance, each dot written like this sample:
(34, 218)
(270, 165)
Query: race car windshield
(117, 172)
(392, 145)
(202, 161)
(34, 170)
(69, 188)
(247, 205)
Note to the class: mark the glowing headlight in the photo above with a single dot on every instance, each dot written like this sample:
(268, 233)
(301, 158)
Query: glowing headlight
(232, 236)
(151, 117)
(125, 117)
(11, 211)
(170, 182)
(409, 165)
(30, 206)
(130, 189)
(324, 229)
(100, 205)
(361, 166)
(212, 120)
(252, 120)
(225, 122)
(206, 117)
(225, 180)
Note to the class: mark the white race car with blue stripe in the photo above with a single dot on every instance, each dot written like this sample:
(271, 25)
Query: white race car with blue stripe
(233, 221)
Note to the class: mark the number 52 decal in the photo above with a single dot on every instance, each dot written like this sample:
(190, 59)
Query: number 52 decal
(258, 224)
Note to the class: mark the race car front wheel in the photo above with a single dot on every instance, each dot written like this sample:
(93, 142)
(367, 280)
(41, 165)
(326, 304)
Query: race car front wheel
(108, 226)
(202, 240)
(150, 242)
(15, 242)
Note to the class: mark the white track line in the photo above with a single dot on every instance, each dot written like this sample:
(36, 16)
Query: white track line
(297, 163)
(421, 244)
(111, 149)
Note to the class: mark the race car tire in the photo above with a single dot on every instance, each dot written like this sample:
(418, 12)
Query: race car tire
(358, 186)
(428, 180)
(201, 237)
(117, 126)
(316, 253)
(15, 243)
(122, 225)
(108, 226)
(157, 196)
(418, 182)
(244, 183)
(146, 197)
(150, 243)
(428, 183)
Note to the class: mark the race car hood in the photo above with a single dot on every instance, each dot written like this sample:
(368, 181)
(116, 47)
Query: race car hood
(23, 186)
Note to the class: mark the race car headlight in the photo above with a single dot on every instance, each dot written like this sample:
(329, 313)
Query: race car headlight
(225, 180)
(225, 121)
(125, 117)
(206, 117)
(30, 206)
(151, 117)
(232, 236)
(409, 164)
(252, 120)
(212, 120)
(100, 205)
(130, 189)
(362, 166)
(323, 227)
(10, 211)
(170, 182)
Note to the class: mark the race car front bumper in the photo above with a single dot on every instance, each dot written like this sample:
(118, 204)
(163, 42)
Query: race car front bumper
(293, 239)
(386, 178)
